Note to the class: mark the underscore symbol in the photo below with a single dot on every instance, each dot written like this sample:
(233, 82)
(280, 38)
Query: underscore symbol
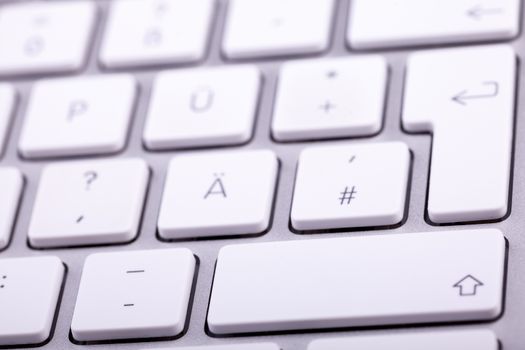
(217, 187)
(347, 195)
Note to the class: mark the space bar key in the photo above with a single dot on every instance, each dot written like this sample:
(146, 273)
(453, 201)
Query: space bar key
(358, 281)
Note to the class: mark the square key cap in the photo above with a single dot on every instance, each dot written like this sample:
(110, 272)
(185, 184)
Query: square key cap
(89, 202)
(218, 194)
(78, 116)
(45, 37)
(29, 292)
(267, 28)
(361, 185)
(137, 294)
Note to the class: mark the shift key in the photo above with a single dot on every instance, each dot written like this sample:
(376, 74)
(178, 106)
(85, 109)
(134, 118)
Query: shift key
(363, 281)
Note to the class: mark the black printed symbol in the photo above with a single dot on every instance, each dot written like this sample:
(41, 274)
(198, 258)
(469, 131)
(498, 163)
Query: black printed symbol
(347, 195)
(327, 107)
(351, 160)
(2, 281)
(490, 90)
(217, 187)
(79, 219)
(331, 74)
(468, 286)
(133, 272)
(479, 12)
(90, 176)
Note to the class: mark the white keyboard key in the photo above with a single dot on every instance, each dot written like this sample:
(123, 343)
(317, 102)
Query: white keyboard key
(156, 32)
(263, 28)
(385, 23)
(452, 340)
(358, 281)
(138, 294)
(11, 184)
(203, 107)
(78, 116)
(218, 194)
(330, 98)
(467, 102)
(29, 293)
(7, 104)
(254, 346)
(89, 202)
(45, 37)
(359, 185)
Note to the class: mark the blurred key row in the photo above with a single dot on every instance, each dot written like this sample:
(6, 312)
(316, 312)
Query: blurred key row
(454, 276)
(208, 195)
(203, 107)
(56, 37)
(469, 91)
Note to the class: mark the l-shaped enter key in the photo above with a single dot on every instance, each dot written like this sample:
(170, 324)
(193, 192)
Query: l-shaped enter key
(465, 98)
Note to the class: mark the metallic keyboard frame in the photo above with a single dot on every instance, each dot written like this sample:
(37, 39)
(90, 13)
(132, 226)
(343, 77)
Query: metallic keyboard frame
(509, 328)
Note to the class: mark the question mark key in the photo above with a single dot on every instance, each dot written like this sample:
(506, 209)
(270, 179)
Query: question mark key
(89, 202)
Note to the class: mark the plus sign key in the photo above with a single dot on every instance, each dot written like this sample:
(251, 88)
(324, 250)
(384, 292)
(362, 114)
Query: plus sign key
(318, 99)
(362, 185)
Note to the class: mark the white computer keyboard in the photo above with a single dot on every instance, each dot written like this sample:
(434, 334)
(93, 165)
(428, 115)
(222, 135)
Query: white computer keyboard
(261, 174)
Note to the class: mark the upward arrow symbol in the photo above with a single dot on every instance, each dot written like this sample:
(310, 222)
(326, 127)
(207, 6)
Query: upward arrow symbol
(468, 286)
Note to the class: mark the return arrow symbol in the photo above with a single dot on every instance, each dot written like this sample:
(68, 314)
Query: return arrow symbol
(478, 12)
(463, 96)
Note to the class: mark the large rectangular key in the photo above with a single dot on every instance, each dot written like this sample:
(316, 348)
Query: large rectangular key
(358, 281)
(465, 98)
(377, 24)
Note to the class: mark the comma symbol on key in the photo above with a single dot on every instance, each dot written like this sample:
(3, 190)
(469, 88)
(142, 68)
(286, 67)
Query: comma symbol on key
(76, 108)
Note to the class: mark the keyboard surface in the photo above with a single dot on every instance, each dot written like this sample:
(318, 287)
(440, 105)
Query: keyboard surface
(262, 174)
